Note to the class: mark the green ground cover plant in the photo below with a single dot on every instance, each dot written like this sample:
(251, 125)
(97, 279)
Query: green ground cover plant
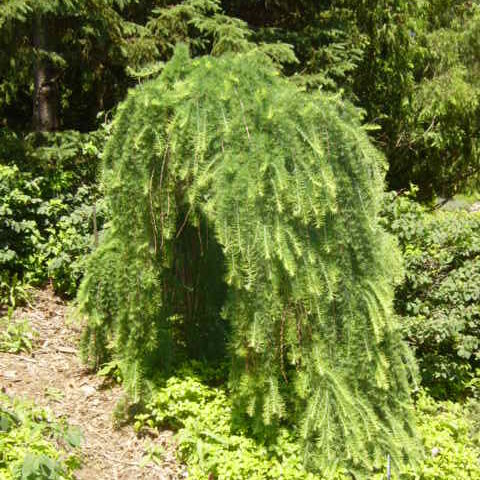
(33, 446)
(211, 441)
(16, 335)
(450, 432)
(202, 417)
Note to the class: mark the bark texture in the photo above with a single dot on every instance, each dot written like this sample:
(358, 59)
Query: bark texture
(45, 99)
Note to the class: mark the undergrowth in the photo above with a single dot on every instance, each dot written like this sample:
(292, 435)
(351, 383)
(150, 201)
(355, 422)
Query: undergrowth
(33, 446)
(208, 443)
(16, 335)
(450, 432)
(215, 445)
(50, 205)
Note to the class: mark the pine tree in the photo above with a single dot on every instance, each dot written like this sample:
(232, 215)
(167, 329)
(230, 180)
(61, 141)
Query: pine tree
(235, 195)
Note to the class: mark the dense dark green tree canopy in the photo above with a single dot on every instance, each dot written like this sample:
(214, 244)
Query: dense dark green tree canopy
(72, 52)
(411, 65)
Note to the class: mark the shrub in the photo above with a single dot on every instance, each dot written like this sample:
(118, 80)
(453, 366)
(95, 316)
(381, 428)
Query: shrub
(20, 234)
(440, 298)
(47, 193)
(69, 240)
(32, 446)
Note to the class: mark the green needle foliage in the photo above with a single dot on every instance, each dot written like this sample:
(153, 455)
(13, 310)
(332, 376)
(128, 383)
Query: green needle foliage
(244, 207)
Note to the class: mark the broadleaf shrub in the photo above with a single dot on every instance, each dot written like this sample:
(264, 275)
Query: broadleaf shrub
(440, 299)
(47, 193)
(72, 237)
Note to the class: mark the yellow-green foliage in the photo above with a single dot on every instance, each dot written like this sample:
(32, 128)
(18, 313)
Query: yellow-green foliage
(32, 446)
(208, 444)
(235, 195)
(452, 444)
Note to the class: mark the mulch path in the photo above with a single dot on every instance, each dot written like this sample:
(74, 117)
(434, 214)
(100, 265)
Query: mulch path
(53, 376)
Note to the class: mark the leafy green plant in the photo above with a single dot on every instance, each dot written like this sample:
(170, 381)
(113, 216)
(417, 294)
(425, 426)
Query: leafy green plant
(20, 234)
(211, 442)
(72, 237)
(111, 370)
(16, 335)
(439, 300)
(49, 207)
(202, 416)
(451, 441)
(33, 446)
(12, 292)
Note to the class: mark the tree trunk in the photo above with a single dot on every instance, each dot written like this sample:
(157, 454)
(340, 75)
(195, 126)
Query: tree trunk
(46, 92)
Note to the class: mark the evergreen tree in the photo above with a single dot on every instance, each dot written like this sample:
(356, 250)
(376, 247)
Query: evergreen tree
(67, 60)
(438, 148)
(235, 195)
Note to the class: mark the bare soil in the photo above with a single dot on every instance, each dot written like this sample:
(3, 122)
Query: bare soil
(53, 376)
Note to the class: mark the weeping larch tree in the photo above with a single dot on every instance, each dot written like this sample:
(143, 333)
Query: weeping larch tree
(244, 207)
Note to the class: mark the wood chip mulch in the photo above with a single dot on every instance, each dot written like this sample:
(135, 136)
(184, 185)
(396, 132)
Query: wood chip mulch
(53, 376)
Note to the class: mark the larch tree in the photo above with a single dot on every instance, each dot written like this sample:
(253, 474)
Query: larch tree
(245, 209)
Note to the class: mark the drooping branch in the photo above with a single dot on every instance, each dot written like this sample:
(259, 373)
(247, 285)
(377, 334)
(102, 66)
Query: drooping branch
(299, 267)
